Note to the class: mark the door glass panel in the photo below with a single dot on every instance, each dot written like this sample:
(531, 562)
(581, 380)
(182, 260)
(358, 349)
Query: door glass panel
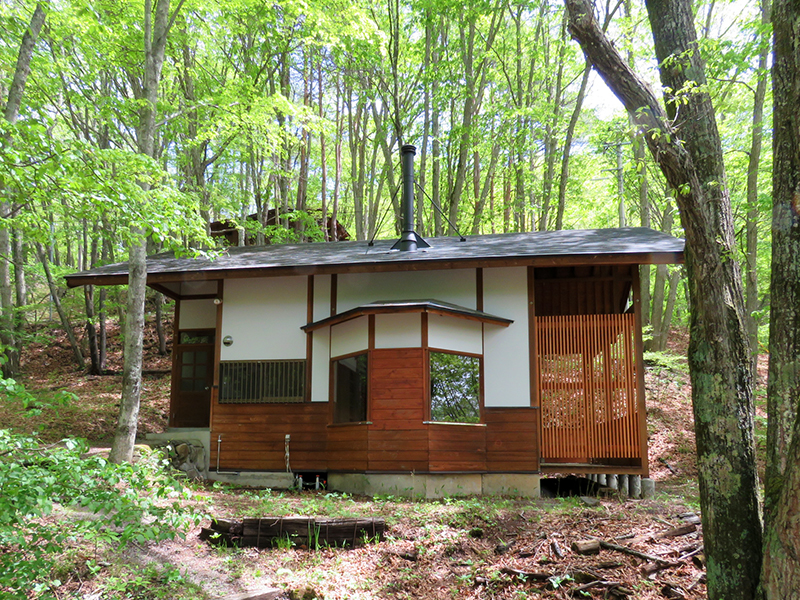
(196, 338)
(187, 371)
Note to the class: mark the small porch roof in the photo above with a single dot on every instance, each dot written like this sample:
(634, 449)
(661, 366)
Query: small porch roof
(436, 307)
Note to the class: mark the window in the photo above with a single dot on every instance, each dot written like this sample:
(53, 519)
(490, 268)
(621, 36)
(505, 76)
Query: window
(455, 388)
(262, 381)
(350, 389)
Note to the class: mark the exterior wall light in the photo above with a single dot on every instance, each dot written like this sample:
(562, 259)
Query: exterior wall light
(227, 341)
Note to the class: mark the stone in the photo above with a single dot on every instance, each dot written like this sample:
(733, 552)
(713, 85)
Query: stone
(182, 450)
(635, 486)
(648, 488)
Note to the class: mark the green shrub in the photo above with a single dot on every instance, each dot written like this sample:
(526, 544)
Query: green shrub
(56, 496)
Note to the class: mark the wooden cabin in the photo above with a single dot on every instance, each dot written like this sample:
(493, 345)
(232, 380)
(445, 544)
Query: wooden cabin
(234, 234)
(474, 365)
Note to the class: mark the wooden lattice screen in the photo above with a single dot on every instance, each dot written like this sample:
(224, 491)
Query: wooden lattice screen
(587, 390)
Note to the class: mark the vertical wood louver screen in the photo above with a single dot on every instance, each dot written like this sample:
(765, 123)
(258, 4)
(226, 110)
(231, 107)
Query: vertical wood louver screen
(262, 381)
(587, 389)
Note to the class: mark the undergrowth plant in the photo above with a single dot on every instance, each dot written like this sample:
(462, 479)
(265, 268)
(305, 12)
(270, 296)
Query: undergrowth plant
(98, 503)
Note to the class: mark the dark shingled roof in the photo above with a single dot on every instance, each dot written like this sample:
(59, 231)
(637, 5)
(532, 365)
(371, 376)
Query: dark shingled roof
(541, 248)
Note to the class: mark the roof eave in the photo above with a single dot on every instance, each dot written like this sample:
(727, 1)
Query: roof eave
(647, 258)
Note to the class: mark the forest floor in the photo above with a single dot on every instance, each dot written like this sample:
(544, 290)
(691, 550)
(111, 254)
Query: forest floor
(450, 548)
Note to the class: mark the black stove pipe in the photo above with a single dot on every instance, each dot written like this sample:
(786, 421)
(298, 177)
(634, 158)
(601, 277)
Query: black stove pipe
(409, 240)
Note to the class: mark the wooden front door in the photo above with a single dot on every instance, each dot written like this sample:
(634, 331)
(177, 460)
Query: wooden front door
(192, 378)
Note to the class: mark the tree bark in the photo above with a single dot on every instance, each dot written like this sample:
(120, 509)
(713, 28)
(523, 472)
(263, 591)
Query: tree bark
(690, 156)
(8, 340)
(156, 28)
(73, 343)
(754, 160)
(781, 570)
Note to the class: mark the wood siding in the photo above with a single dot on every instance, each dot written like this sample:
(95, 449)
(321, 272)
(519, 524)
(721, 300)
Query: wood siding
(512, 440)
(586, 413)
(253, 436)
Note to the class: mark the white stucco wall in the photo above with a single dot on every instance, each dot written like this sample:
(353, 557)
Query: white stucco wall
(398, 331)
(457, 335)
(320, 365)
(322, 296)
(349, 337)
(198, 314)
(264, 316)
(451, 285)
(506, 363)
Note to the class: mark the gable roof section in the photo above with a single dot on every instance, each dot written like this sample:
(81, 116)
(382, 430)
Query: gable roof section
(436, 307)
(630, 245)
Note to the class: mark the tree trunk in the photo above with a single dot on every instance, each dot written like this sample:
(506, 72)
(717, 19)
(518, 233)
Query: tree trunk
(20, 279)
(51, 284)
(690, 156)
(781, 571)
(155, 41)
(8, 340)
(751, 222)
(573, 123)
(160, 334)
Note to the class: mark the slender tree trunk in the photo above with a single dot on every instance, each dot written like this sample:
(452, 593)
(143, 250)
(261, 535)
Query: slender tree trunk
(76, 350)
(20, 283)
(156, 29)
(669, 311)
(754, 160)
(8, 339)
(781, 571)
(323, 160)
(161, 335)
(644, 212)
(88, 297)
(689, 152)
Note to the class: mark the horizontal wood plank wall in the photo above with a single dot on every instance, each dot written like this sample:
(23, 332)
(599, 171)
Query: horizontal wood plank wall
(398, 438)
(253, 436)
(456, 447)
(511, 440)
(348, 447)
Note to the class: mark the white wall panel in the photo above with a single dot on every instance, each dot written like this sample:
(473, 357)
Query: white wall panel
(320, 365)
(349, 337)
(198, 314)
(451, 285)
(506, 363)
(322, 296)
(458, 335)
(398, 331)
(264, 316)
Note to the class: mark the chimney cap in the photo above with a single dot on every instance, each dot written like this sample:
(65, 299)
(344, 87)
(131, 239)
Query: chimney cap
(408, 148)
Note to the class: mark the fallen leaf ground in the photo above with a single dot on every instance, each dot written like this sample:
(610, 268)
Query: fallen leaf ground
(460, 546)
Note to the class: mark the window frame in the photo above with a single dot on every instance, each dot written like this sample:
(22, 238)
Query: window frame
(299, 399)
(428, 395)
(333, 380)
